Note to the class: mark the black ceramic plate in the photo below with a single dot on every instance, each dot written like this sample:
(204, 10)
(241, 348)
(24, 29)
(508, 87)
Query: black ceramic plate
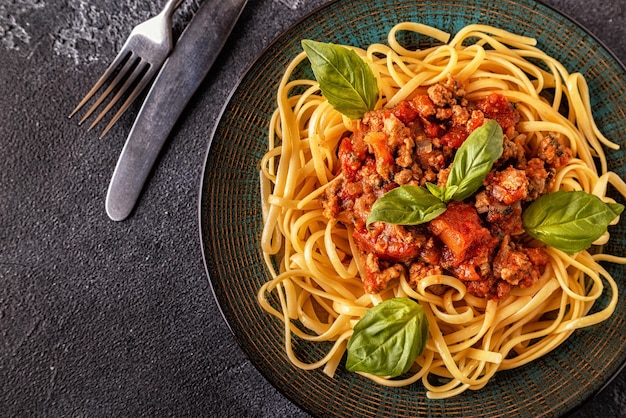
(230, 218)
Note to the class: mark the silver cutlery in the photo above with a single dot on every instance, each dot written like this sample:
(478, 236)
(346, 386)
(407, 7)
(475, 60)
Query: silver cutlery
(134, 67)
(181, 75)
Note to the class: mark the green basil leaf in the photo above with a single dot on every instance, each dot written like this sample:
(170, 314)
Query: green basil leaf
(406, 205)
(346, 81)
(437, 191)
(569, 221)
(473, 161)
(618, 208)
(388, 339)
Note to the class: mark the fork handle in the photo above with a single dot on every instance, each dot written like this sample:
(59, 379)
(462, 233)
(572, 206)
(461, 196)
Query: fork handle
(170, 7)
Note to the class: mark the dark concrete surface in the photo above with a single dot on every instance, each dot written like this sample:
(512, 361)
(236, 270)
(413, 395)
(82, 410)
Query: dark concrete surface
(117, 319)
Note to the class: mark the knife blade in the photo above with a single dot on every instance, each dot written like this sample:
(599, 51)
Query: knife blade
(179, 78)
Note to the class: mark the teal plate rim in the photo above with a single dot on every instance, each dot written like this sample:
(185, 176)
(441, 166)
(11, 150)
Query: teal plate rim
(229, 217)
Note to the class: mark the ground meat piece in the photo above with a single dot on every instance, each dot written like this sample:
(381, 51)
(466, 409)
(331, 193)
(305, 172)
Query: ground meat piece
(429, 156)
(397, 131)
(361, 207)
(460, 115)
(403, 177)
(538, 256)
(513, 265)
(390, 242)
(508, 185)
(491, 288)
(431, 252)
(502, 219)
(456, 87)
(429, 176)
(418, 270)
(476, 120)
(539, 178)
(443, 114)
(447, 94)
(553, 152)
(481, 288)
(442, 177)
(441, 96)
(331, 201)
(379, 275)
(513, 152)
(404, 152)
(373, 121)
(502, 290)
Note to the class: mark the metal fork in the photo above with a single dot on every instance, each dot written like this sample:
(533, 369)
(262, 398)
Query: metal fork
(135, 66)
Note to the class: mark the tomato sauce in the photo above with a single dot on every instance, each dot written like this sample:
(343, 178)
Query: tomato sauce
(481, 240)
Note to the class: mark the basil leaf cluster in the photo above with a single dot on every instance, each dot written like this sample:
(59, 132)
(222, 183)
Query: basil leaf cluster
(346, 81)
(413, 205)
(569, 220)
(388, 339)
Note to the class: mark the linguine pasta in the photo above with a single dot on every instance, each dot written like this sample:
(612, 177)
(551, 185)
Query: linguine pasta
(313, 260)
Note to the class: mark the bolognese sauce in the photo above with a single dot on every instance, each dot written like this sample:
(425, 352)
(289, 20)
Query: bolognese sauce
(480, 240)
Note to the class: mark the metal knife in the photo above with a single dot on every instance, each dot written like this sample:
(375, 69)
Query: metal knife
(183, 71)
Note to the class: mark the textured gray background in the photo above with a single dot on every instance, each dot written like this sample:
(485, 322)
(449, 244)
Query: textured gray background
(117, 319)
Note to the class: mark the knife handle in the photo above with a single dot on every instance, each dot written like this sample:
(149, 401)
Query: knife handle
(181, 75)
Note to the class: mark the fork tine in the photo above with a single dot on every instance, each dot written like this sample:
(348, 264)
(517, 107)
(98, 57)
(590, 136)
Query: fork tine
(145, 79)
(149, 42)
(129, 64)
(139, 68)
(119, 58)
